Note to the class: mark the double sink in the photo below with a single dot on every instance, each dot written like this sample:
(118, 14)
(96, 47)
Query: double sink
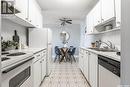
(104, 50)
(7, 54)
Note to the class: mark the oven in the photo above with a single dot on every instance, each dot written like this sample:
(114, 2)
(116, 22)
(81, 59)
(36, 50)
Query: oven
(109, 72)
(18, 75)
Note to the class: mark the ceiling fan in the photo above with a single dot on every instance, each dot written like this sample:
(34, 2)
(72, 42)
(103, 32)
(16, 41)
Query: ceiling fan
(65, 21)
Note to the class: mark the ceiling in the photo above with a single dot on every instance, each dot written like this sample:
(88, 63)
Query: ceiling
(73, 9)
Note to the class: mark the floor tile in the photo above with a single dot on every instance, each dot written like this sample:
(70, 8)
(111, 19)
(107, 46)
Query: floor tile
(65, 75)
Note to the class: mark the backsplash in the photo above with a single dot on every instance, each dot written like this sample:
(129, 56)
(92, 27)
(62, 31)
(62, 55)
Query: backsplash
(114, 37)
(8, 28)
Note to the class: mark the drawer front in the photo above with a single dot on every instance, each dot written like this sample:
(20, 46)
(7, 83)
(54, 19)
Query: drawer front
(37, 56)
(43, 53)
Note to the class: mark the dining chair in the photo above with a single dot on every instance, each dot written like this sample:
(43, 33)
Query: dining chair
(71, 54)
(58, 53)
(70, 48)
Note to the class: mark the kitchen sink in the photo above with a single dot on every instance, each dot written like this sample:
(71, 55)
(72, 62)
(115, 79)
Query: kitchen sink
(16, 54)
(103, 49)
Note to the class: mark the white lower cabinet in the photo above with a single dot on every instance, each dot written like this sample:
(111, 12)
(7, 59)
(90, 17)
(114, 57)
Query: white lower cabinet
(81, 60)
(39, 68)
(88, 63)
(43, 67)
(37, 73)
(93, 69)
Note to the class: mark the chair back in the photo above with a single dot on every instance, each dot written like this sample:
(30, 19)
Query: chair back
(70, 49)
(73, 51)
(57, 51)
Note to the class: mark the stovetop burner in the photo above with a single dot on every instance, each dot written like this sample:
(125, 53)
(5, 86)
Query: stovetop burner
(5, 53)
(16, 54)
(4, 58)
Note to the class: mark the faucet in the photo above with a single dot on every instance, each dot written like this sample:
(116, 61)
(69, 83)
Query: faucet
(110, 45)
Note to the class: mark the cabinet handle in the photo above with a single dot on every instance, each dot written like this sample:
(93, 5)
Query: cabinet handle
(40, 61)
(98, 21)
(26, 18)
(102, 19)
(38, 55)
(30, 21)
(118, 22)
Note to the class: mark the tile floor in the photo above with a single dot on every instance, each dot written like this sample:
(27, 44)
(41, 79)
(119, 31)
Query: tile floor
(65, 75)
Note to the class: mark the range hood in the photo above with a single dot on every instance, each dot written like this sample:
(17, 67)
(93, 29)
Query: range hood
(7, 7)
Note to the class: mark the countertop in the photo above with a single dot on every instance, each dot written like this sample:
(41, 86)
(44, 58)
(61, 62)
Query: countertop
(111, 55)
(17, 59)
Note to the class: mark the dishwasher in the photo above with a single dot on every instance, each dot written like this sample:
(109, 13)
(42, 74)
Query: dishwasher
(108, 72)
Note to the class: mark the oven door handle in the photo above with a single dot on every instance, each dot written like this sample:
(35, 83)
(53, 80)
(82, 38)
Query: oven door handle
(17, 65)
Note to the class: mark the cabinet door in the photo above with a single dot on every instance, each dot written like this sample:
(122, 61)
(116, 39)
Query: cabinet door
(38, 19)
(32, 12)
(37, 73)
(43, 68)
(97, 13)
(108, 10)
(38, 16)
(118, 12)
(86, 65)
(90, 22)
(93, 69)
(22, 5)
(81, 60)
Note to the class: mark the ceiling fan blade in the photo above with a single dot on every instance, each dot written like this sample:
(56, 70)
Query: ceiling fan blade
(61, 20)
(63, 23)
(68, 22)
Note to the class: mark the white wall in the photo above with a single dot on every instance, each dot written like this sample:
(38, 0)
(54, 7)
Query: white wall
(8, 28)
(74, 31)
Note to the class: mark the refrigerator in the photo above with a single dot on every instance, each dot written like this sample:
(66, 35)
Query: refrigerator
(42, 38)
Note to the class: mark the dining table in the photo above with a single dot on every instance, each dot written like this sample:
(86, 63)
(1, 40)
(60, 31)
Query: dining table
(64, 53)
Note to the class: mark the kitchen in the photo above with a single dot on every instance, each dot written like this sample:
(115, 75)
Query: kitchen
(27, 36)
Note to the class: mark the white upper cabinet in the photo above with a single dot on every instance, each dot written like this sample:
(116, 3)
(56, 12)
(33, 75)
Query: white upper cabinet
(35, 15)
(38, 17)
(107, 9)
(32, 12)
(118, 12)
(97, 13)
(90, 22)
(22, 6)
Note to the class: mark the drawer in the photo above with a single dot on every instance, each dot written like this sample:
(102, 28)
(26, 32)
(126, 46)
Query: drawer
(43, 53)
(37, 56)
